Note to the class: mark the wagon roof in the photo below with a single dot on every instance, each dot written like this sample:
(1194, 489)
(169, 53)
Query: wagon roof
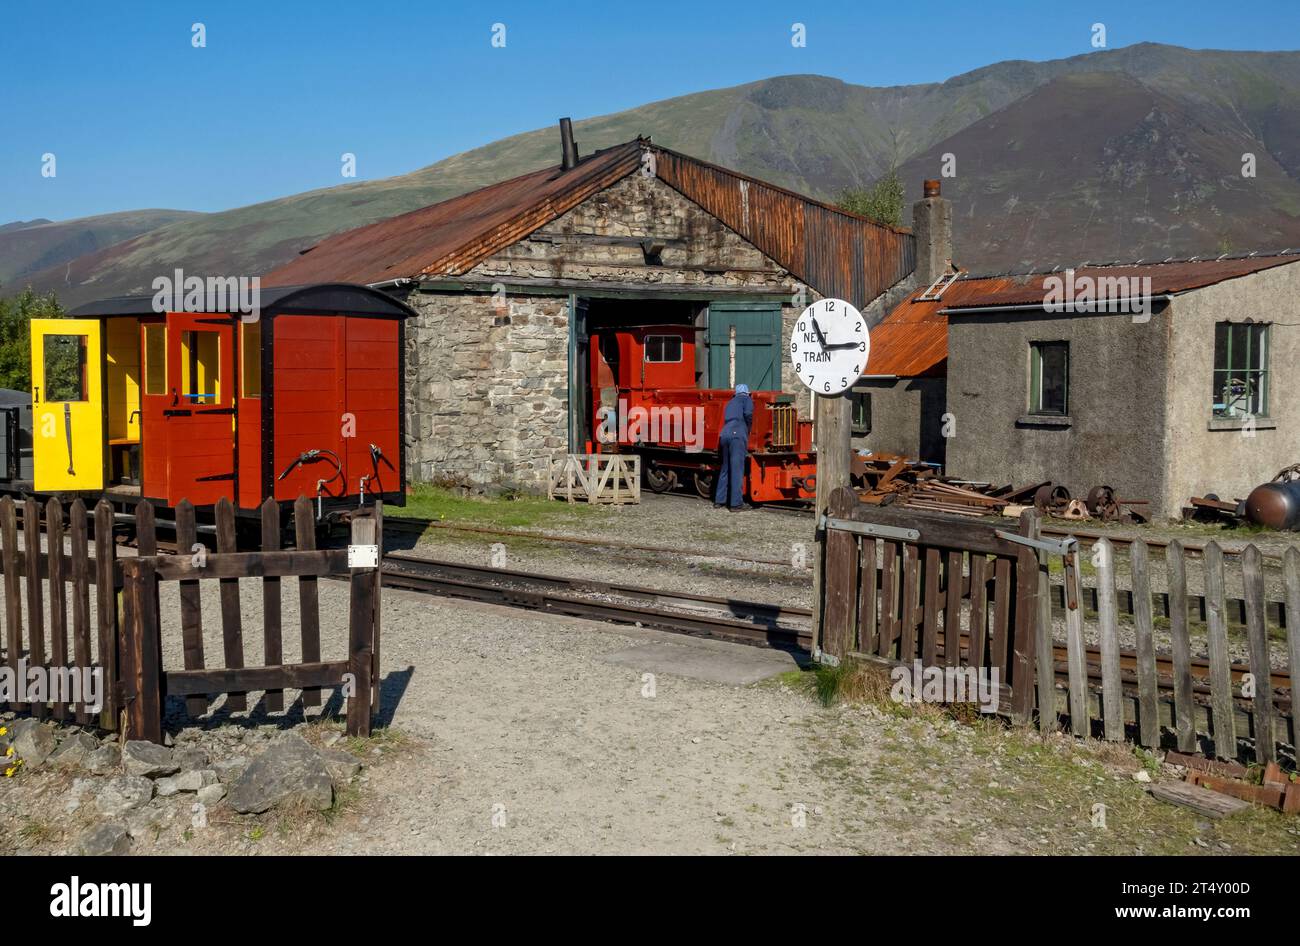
(835, 252)
(316, 299)
(912, 341)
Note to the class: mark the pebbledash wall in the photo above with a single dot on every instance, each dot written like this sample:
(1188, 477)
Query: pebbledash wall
(488, 358)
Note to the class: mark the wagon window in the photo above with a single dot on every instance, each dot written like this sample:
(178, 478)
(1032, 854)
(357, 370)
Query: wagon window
(663, 348)
(155, 359)
(65, 368)
(200, 371)
(250, 357)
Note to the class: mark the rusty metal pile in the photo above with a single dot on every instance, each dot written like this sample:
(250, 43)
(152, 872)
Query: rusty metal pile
(1273, 505)
(884, 479)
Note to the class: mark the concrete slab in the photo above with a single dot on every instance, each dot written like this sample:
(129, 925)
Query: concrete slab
(715, 661)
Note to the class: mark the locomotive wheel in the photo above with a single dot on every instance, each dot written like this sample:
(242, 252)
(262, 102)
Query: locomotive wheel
(1101, 503)
(704, 484)
(659, 480)
(1043, 497)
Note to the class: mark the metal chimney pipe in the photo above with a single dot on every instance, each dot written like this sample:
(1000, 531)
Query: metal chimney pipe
(568, 147)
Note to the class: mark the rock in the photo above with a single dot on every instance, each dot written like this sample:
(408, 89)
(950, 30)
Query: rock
(103, 840)
(72, 798)
(105, 760)
(122, 794)
(211, 794)
(190, 757)
(1141, 775)
(190, 781)
(143, 821)
(229, 769)
(331, 738)
(73, 750)
(147, 759)
(289, 772)
(32, 740)
(342, 766)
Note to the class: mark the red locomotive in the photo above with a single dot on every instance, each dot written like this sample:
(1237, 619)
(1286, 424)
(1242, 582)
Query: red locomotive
(645, 399)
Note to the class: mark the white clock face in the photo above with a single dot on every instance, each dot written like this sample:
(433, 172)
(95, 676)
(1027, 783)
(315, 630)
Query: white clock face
(829, 346)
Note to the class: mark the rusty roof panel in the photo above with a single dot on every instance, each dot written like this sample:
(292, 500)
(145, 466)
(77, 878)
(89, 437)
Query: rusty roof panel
(912, 341)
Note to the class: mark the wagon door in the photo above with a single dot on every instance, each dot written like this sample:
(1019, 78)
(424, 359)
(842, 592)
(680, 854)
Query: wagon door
(198, 421)
(67, 404)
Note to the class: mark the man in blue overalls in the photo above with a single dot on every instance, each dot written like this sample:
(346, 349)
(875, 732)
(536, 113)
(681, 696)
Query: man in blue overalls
(733, 445)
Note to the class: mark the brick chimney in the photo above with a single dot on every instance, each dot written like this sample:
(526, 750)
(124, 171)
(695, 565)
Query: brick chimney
(932, 227)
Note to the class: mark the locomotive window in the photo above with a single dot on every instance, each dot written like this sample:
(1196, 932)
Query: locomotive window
(65, 368)
(155, 359)
(250, 357)
(663, 348)
(200, 371)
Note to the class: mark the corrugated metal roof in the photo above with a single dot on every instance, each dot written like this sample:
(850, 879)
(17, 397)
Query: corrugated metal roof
(912, 341)
(836, 253)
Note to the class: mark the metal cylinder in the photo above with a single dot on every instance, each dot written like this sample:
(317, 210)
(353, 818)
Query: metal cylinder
(1275, 505)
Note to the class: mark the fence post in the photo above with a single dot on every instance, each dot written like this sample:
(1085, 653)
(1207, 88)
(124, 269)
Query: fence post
(1176, 578)
(361, 623)
(140, 590)
(1260, 665)
(1022, 655)
(1112, 699)
(839, 576)
(1148, 721)
(379, 582)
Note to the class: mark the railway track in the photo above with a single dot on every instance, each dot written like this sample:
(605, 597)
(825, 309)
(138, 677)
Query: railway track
(746, 622)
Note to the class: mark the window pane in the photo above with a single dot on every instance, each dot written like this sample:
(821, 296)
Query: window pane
(200, 371)
(659, 348)
(251, 358)
(65, 368)
(1051, 366)
(155, 359)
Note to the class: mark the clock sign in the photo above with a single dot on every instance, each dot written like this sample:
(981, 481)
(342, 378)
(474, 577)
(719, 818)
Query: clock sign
(829, 346)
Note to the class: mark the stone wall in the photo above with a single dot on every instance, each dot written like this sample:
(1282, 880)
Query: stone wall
(487, 365)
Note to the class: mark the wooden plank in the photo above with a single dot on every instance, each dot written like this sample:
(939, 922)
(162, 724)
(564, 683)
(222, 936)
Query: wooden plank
(191, 599)
(13, 594)
(939, 529)
(867, 577)
(1139, 569)
(1176, 581)
(187, 682)
(58, 597)
(232, 565)
(146, 708)
(908, 595)
(361, 617)
(888, 599)
(80, 567)
(378, 514)
(35, 593)
(1112, 707)
(304, 524)
(146, 531)
(1252, 568)
(1023, 644)
(106, 605)
(232, 628)
(1080, 710)
(273, 651)
(952, 609)
(999, 643)
(1200, 800)
(1043, 650)
(1221, 716)
(930, 608)
(839, 581)
(1291, 581)
(979, 607)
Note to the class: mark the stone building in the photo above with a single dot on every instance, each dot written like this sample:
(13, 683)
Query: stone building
(508, 282)
(1162, 380)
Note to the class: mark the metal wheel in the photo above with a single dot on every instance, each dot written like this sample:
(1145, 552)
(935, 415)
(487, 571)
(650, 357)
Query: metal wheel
(1101, 503)
(704, 481)
(658, 479)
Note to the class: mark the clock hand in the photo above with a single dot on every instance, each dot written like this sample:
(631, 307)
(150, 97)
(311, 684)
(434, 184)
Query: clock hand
(821, 339)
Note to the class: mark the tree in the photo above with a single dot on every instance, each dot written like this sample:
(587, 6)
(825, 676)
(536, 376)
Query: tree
(16, 315)
(881, 203)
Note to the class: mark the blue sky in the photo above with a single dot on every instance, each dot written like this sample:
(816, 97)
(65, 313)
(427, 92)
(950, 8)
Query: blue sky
(138, 117)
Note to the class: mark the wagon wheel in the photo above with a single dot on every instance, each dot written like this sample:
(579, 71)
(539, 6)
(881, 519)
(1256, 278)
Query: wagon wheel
(1043, 497)
(658, 479)
(1101, 503)
(704, 483)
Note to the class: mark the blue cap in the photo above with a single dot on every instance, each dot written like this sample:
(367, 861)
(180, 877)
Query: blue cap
(742, 389)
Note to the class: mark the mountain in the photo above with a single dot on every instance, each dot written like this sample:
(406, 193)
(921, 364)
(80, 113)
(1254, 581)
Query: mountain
(1126, 153)
(34, 245)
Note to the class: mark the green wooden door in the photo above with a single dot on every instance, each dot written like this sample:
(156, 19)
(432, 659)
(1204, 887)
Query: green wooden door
(758, 344)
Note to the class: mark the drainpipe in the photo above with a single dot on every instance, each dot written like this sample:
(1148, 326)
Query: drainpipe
(731, 371)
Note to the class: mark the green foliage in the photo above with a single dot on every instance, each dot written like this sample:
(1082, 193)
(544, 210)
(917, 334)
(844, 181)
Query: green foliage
(16, 315)
(882, 202)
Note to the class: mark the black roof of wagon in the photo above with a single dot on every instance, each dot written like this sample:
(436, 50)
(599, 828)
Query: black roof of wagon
(318, 299)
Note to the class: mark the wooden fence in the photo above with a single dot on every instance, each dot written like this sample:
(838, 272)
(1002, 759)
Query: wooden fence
(983, 600)
(129, 645)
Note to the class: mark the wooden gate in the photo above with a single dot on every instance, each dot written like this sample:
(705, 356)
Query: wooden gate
(128, 646)
(906, 586)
